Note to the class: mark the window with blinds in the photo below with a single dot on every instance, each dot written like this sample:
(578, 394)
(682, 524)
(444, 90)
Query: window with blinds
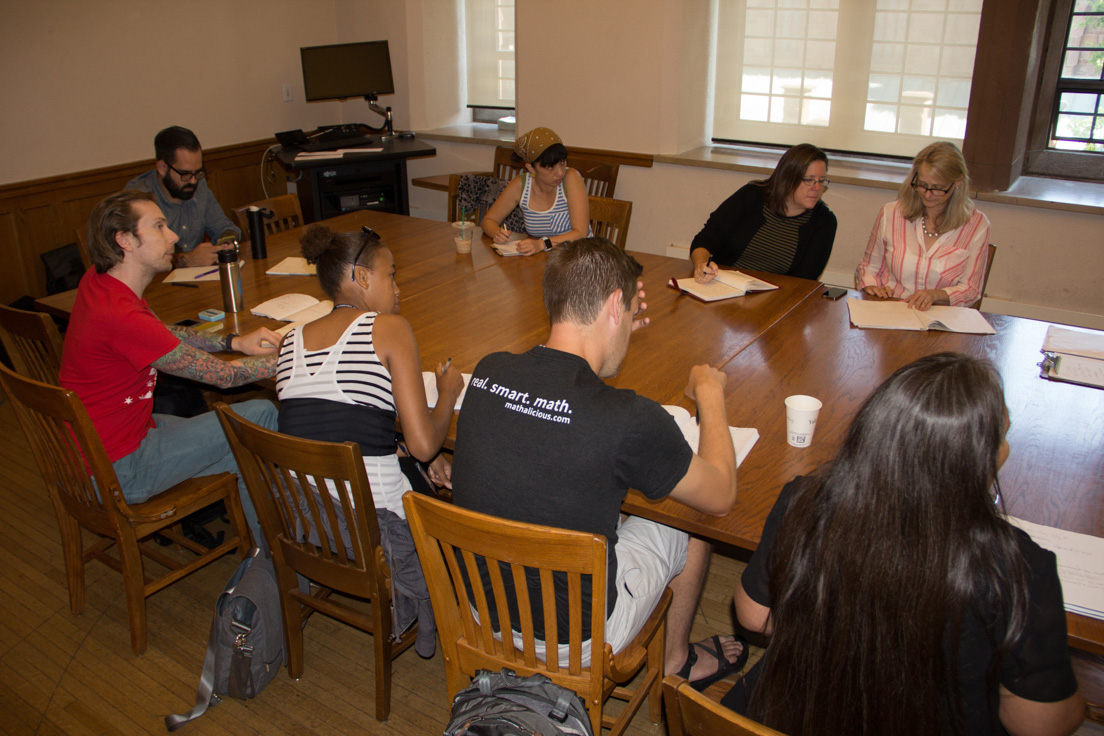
(489, 42)
(878, 76)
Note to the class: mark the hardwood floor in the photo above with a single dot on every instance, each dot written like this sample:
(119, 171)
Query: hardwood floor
(66, 674)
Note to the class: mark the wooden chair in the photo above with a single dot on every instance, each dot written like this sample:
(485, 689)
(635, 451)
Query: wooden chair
(286, 214)
(609, 219)
(281, 473)
(444, 534)
(32, 342)
(600, 176)
(985, 279)
(475, 215)
(66, 446)
(82, 246)
(690, 713)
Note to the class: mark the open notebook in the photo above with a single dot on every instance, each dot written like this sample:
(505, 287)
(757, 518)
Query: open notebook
(293, 308)
(900, 316)
(725, 285)
(1080, 565)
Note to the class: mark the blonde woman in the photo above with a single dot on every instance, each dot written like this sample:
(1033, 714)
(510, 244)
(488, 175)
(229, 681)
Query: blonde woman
(930, 246)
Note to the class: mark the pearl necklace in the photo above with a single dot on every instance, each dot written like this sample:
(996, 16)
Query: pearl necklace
(924, 227)
(345, 306)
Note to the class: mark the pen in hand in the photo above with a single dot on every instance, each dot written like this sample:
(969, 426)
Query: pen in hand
(447, 364)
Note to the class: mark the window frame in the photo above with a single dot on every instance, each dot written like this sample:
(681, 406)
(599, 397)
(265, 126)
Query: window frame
(1040, 159)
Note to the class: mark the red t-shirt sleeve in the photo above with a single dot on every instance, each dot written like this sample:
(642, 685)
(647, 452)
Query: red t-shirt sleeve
(141, 338)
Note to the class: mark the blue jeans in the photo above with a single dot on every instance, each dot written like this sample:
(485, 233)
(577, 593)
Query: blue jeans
(180, 448)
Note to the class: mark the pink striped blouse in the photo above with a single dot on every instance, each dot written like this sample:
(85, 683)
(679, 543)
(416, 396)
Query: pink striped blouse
(896, 257)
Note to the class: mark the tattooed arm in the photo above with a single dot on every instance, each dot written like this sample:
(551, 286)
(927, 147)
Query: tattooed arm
(189, 361)
(262, 341)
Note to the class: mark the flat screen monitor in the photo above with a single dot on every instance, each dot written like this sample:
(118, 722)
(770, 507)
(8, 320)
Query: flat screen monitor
(346, 70)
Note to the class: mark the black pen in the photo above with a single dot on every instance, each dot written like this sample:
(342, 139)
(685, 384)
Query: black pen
(184, 283)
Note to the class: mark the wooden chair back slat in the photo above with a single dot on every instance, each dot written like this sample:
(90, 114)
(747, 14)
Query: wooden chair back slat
(302, 491)
(461, 550)
(690, 713)
(609, 219)
(287, 214)
(991, 253)
(32, 342)
(85, 492)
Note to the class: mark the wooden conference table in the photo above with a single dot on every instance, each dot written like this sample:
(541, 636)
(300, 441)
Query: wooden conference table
(770, 345)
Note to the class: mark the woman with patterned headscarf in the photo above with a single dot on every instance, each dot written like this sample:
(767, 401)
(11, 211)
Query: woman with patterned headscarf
(552, 197)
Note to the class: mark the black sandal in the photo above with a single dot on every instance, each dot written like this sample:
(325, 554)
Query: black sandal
(724, 667)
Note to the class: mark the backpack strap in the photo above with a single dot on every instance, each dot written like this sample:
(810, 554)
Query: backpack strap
(205, 694)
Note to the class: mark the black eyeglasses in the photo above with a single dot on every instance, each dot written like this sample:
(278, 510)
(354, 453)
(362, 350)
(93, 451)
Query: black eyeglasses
(929, 189)
(186, 175)
(369, 233)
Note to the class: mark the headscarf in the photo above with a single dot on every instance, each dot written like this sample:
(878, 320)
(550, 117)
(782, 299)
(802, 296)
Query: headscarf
(532, 144)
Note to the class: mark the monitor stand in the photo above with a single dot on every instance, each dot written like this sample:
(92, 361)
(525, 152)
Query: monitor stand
(388, 124)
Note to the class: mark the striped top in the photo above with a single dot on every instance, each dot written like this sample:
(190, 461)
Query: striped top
(553, 221)
(773, 247)
(348, 372)
(343, 393)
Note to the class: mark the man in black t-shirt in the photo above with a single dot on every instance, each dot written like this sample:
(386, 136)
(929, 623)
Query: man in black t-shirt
(542, 439)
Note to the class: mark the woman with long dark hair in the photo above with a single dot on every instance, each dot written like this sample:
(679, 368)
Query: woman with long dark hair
(779, 224)
(897, 597)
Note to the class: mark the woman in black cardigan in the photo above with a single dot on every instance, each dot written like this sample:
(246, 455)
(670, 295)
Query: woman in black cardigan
(778, 225)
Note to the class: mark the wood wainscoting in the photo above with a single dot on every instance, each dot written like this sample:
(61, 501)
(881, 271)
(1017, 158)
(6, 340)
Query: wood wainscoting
(38, 216)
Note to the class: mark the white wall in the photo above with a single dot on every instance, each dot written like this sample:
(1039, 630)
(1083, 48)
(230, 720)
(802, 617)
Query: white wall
(88, 84)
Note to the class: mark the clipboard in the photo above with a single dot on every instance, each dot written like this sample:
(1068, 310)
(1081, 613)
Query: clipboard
(1074, 369)
(1073, 356)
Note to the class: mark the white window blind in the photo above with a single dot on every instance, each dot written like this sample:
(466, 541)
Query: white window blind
(880, 76)
(490, 52)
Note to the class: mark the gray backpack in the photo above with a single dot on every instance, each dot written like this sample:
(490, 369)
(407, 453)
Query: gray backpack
(246, 647)
(503, 704)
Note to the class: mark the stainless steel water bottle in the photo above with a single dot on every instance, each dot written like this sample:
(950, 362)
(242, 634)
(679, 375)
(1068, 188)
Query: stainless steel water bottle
(230, 277)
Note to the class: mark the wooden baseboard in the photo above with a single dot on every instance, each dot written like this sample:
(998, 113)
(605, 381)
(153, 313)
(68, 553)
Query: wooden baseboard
(42, 214)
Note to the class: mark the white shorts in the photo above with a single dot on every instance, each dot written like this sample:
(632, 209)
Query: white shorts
(649, 556)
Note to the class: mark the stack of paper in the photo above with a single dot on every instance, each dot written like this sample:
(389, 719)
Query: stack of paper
(742, 439)
(430, 380)
(1073, 356)
(900, 316)
(1080, 565)
(725, 285)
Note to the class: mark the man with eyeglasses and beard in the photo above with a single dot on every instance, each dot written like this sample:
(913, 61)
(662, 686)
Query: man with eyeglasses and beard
(177, 183)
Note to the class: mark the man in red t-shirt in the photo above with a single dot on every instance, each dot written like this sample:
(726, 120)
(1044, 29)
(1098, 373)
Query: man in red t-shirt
(115, 346)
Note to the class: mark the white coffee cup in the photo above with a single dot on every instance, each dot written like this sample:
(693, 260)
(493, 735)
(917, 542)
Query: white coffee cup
(801, 419)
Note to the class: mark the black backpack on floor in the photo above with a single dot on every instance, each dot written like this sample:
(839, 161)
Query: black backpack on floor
(503, 704)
